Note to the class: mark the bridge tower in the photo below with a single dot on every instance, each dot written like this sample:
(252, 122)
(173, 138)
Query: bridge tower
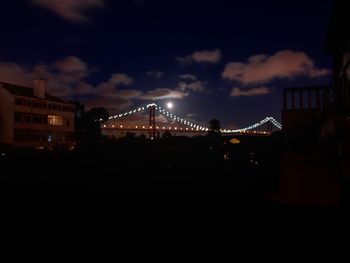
(152, 122)
(269, 127)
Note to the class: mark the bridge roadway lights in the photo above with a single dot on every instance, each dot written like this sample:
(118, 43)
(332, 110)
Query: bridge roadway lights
(152, 122)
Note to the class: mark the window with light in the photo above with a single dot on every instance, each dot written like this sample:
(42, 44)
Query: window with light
(54, 120)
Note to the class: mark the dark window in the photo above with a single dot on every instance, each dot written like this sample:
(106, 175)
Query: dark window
(57, 107)
(39, 119)
(18, 117)
(23, 102)
(39, 104)
(22, 117)
(18, 102)
(27, 103)
(26, 118)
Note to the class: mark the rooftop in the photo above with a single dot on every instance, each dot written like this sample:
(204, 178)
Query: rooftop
(28, 92)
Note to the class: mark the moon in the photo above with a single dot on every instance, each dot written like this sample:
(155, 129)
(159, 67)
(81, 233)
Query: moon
(170, 105)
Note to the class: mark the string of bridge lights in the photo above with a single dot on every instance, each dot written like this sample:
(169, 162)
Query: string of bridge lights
(163, 111)
(262, 122)
(193, 126)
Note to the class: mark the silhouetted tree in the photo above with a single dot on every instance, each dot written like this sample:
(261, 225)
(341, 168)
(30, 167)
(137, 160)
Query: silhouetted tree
(214, 127)
(166, 135)
(130, 135)
(92, 124)
(87, 124)
(142, 137)
(79, 122)
(99, 114)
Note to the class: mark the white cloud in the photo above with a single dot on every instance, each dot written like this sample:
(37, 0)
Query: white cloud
(71, 10)
(66, 78)
(262, 68)
(191, 115)
(110, 87)
(16, 74)
(188, 76)
(71, 69)
(83, 88)
(190, 83)
(237, 92)
(71, 64)
(196, 86)
(204, 56)
(159, 94)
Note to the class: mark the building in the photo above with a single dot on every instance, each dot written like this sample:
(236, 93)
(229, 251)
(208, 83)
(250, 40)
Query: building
(31, 118)
(316, 124)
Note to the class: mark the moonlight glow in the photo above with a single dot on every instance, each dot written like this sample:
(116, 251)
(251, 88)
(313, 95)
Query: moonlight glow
(170, 105)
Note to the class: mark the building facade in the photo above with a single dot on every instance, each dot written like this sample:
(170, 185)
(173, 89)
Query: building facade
(316, 123)
(31, 118)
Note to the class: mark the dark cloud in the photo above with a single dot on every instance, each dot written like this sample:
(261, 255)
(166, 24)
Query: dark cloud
(71, 10)
(204, 56)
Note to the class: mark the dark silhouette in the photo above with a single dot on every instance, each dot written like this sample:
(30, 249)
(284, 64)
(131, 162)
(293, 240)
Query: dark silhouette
(166, 135)
(88, 124)
(130, 135)
(214, 127)
(142, 137)
(99, 114)
(201, 194)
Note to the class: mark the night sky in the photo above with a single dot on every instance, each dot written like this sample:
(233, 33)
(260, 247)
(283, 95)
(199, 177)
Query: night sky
(228, 60)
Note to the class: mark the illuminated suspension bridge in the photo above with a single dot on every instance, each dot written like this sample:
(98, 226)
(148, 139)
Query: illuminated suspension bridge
(178, 125)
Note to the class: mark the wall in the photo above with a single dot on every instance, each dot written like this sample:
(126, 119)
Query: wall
(6, 117)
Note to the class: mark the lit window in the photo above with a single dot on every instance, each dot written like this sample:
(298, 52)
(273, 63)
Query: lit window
(54, 120)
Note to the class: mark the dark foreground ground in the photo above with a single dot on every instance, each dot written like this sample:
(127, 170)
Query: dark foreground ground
(160, 201)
